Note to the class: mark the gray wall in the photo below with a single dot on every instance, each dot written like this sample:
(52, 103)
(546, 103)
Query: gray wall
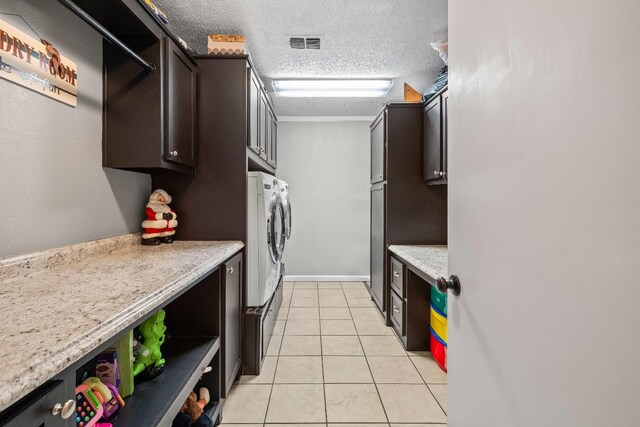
(54, 190)
(327, 167)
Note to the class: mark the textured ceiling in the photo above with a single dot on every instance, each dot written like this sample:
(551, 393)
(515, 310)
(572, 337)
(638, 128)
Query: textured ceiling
(362, 39)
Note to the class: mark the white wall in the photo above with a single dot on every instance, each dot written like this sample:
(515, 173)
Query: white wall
(544, 213)
(327, 167)
(53, 189)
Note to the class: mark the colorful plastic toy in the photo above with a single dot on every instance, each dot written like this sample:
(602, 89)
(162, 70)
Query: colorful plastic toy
(88, 407)
(150, 357)
(108, 396)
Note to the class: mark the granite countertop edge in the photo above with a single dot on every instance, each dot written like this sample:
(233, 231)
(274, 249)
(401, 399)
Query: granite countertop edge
(430, 259)
(25, 379)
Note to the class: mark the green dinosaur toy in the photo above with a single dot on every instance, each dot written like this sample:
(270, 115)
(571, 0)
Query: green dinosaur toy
(152, 330)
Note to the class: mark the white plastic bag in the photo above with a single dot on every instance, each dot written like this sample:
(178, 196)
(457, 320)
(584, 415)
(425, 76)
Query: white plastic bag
(443, 50)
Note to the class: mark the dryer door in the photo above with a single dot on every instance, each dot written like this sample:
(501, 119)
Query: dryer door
(276, 235)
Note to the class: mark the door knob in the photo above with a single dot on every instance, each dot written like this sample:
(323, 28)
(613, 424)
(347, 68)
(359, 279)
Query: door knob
(453, 284)
(66, 410)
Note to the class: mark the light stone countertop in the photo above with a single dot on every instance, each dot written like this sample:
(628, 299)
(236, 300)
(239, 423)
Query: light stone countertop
(59, 305)
(431, 260)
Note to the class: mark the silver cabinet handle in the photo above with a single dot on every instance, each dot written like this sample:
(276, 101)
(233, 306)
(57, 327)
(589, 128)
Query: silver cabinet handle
(441, 173)
(65, 410)
(175, 153)
(396, 309)
(230, 270)
(435, 173)
(395, 274)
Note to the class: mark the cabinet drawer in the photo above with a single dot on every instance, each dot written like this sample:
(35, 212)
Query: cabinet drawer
(37, 409)
(397, 310)
(397, 277)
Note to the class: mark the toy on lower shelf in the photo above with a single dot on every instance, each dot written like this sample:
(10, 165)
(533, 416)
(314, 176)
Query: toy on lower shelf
(191, 413)
(149, 362)
(88, 407)
(108, 396)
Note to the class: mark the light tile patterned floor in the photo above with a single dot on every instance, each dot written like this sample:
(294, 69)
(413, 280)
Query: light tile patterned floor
(332, 362)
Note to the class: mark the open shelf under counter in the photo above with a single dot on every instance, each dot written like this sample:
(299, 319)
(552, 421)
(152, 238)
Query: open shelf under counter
(156, 402)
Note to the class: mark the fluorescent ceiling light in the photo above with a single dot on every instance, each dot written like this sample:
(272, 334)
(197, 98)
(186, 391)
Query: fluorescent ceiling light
(333, 88)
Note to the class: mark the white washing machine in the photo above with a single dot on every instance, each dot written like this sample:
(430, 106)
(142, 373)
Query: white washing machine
(265, 238)
(286, 203)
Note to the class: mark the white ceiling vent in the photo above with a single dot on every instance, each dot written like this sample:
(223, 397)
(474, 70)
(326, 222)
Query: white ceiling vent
(305, 42)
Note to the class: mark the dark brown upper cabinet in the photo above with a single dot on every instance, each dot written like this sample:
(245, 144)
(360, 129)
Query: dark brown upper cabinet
(149, 120)
(254, 112)
(180, 80)
(273, 151)
(378, 149)
(435, 139)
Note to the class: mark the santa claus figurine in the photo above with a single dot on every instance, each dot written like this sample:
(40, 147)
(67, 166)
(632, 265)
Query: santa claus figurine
(159, 227)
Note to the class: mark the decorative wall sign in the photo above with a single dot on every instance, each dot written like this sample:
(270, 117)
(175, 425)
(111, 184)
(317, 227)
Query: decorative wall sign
(37, 65)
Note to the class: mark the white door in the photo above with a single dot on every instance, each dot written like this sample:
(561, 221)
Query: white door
(544, 205)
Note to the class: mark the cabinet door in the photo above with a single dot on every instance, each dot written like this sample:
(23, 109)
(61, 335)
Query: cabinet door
(445, 135)
(262, 132)
(180, 107)
(37, 413)
(232, 340)
(433, 170)
(254, 112)
(378, 149)
(378, 249)
(274, 142)
(267, 134)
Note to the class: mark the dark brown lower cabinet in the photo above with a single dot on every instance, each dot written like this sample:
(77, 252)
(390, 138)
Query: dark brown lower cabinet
(38, 410)
(378, 248)
(232, 337)
(409, 306)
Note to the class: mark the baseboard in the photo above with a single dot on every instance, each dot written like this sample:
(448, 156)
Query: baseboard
(293, 278)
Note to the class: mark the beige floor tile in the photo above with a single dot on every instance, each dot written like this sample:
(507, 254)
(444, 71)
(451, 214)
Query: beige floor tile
(302, 327)
(240, 425)
(286, 299)
(382, 346)
(335, 313)
(393, 370)
(361, 302)
(266, 374)
(288, 285)
(353, 403)
(419, 353)
(440, 392)
(274, 345)
(293, 425)
(332, 298)
(304, 298)
(341, 346)
(359, 425)
(372, 327)
(419, 425)
(247, 403)
(296, 403)
(337, 327)
(360, 292)
(346, 370)
(299, 370)
(283, 313)
(329, 285)
(303, 313)
(279, 328)
(368, 313)
(300, 346)
(429, 369)
(306, 285)
(353, 285)
(410, 403)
